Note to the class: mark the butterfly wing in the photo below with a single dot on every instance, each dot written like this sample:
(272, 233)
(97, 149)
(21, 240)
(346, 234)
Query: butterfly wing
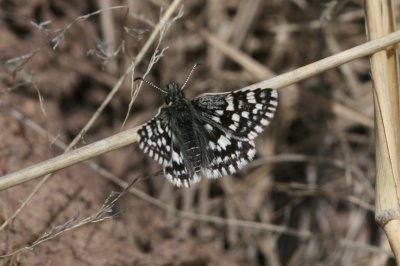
(243, 114)
(177, 171)
(226, 155)
(155, 138)
(231, 121)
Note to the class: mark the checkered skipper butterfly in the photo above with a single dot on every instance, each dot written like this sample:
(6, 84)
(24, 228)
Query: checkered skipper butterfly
(211, 135)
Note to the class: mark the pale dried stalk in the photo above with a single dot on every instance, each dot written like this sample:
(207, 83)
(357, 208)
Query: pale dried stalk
(108, 30)
(384, 69)
(129, 136)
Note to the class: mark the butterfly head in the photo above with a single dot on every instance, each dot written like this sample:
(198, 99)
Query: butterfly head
(174, 93)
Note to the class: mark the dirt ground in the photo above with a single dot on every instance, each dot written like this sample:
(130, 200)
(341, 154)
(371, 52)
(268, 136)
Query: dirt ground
(307, 200)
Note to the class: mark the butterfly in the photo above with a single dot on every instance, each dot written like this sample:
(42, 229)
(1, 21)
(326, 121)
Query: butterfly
(210, 136)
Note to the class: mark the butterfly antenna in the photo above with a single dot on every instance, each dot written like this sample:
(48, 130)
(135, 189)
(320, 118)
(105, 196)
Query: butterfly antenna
(149, 83)
(190, 74)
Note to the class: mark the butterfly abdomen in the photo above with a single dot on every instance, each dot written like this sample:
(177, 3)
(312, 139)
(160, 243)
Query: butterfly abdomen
(193, 154)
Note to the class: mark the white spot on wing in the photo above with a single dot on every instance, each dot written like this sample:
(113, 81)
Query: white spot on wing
(252, 135)
(230, 106)
(177, 182)
(232, 169)
(250, 97)
(251, 153)
(212, 145)
(270, 115)
(252, 100)
(236, 117)
(223, 142)
(195, 179)
(216, 119)
(216, 173)
(176, 157)
(224, 172)
(274, 103)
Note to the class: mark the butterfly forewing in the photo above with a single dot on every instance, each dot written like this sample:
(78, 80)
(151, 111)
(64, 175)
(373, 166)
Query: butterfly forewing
(155, 138)
(244, 114)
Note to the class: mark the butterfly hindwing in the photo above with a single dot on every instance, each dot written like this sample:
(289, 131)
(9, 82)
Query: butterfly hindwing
(226, 155)
(177, 170)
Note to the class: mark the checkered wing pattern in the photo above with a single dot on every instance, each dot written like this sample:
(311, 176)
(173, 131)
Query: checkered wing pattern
(155, 138)
(232, 120)
(158, 140)
(226, 155)
(242, 114)
(177, 170)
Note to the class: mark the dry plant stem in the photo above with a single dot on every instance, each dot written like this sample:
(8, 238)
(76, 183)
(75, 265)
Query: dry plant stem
(167, 16)
(108, 30)
(328, 63)
(123, 139)
(380, 20)
(116, 141)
